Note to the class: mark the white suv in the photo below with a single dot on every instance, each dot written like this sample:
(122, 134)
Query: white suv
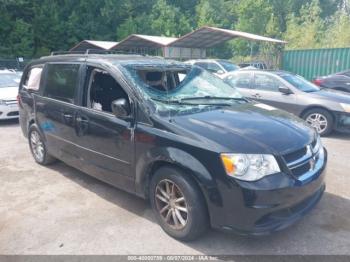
(218, 67)
(9, 82)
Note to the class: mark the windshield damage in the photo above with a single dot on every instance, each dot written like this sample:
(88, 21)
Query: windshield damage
(181, 85)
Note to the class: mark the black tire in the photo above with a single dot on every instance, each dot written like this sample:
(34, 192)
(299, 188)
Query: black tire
(326, 115)
(46, 158)
(197, 221)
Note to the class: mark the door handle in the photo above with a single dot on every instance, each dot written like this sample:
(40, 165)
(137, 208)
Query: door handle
(67, 118)
(82, 125)
(82, 120)
(257, 95)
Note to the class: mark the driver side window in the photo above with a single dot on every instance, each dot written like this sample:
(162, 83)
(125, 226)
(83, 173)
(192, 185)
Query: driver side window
(102, 89)
(266, 83)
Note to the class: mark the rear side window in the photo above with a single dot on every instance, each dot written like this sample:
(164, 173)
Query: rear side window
(61, 81)
(242, 80)
(33, 77)
(346, 73)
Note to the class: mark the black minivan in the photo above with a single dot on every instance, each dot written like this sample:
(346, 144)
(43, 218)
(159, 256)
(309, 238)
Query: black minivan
(176, 135)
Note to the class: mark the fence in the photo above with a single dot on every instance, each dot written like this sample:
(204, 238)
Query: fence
(316, 62)
(13, 63)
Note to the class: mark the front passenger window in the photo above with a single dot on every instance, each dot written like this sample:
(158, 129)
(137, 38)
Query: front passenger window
(102, 90)
(266, 82)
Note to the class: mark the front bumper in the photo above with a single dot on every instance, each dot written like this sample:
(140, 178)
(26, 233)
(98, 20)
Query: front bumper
(9, 111)
(270, 204)
(342, 122)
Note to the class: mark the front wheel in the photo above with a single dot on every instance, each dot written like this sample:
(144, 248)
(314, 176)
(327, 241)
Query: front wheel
(178, 204)
(319, 119)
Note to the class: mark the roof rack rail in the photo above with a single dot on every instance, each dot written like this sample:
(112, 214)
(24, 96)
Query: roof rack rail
(121, 52)
(66, 52)
(95, 51)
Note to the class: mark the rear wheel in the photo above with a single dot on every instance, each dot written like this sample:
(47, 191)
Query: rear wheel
(321, 120)
(178, 204)
(38, 148)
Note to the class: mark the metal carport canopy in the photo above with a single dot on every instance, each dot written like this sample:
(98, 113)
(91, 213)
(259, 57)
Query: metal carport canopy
(206, 37)
(144, 41)
(92, 44)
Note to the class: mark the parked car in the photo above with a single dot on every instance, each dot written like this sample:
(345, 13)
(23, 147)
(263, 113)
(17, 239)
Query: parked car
(256, 64)
(200, 152)
(9, 82)
(216, 66)
(338, 81)
(322, 109)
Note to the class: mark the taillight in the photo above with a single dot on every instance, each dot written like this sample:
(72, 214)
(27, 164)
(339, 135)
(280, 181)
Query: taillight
(318, 81)
(18, 99)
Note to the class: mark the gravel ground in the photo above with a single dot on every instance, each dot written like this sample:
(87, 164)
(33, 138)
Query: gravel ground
(59, 210)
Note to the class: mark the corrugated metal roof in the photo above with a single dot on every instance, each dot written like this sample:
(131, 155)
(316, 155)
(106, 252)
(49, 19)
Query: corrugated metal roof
(103, 44)
(91, 44)
(204, 37)
(207, 36)
(149, 41)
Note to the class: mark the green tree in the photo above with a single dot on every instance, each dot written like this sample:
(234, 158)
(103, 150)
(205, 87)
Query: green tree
(168, 20)
(338, 32)
(307, 30)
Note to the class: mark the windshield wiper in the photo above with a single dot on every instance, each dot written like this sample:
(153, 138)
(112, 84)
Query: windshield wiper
(173, 101)
(186, 100)
(213, 97)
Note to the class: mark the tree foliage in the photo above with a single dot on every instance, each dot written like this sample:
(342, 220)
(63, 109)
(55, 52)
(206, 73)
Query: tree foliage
(36, 27)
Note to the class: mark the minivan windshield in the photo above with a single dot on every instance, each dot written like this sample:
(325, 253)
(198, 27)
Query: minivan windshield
(300, 83)
(182, 85)
(9, 80)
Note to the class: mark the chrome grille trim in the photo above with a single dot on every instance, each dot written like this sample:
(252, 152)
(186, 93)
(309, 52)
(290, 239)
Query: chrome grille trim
(300, 161)
(312, 155)
(10, 102)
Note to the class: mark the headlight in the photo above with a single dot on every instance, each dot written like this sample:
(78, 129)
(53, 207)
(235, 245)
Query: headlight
(249, 167)
(346, 107)
(318, 146)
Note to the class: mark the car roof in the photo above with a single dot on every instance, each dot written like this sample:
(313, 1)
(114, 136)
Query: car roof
(269, 72)
(106, 58)
(276, 72)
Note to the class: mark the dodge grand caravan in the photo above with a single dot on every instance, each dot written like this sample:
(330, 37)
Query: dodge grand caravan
(176, 135)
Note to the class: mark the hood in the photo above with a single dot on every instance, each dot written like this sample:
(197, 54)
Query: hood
(332, 95)
(8, 93)
(247, 128)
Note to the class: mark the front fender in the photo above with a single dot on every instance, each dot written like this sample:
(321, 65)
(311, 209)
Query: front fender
(172, 156)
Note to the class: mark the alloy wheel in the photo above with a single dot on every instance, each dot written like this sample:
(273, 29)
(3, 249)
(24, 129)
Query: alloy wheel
(37, 146)
(317, 121)
(171, 204)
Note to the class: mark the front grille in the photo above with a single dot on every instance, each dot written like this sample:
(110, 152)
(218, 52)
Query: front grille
(10, 102)
(302, 169)
(302, 160)
(14, 113)
(290, 157)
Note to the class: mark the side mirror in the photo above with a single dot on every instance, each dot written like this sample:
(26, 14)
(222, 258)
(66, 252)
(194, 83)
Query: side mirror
(220, 72)
(285, 90)
(121, 108)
